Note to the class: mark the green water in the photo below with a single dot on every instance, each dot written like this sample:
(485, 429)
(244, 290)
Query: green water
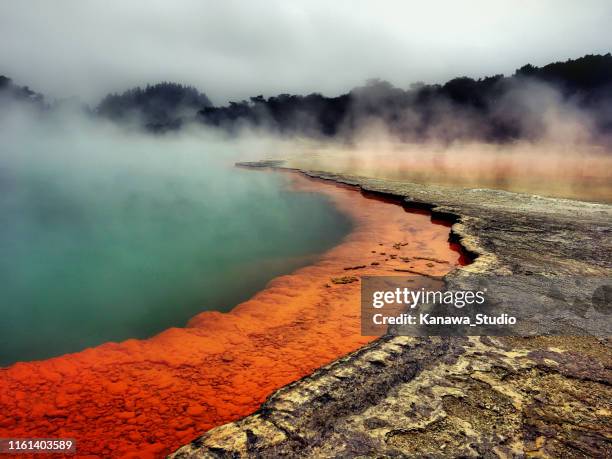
(96, 249)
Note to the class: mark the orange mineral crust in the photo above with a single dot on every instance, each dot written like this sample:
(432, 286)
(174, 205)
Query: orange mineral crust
(144, 398)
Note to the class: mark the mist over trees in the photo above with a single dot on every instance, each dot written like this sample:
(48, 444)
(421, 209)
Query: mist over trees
(495, 108)
(10, 92)
(159, 107)
(575, 95)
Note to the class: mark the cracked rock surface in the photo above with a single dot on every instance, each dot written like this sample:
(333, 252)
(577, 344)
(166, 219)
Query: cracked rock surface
(538, 396)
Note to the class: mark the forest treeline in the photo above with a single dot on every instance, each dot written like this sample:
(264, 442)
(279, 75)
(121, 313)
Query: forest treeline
(9, 91)
(158, 107)
(495, 108)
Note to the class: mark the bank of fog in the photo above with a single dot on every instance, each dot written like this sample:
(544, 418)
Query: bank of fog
(557, 148)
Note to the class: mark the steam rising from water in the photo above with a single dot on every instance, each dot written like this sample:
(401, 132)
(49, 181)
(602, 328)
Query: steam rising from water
(109, 235)
(114, 216)
(561, 152)
(581, 172)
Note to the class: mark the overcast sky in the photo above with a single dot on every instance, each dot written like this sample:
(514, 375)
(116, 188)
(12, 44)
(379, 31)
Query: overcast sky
(234, 49)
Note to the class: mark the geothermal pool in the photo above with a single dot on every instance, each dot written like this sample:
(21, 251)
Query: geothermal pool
(145, 398)
(113, 250)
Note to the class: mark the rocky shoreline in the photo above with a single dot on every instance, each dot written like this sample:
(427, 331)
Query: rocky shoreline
(456, 396)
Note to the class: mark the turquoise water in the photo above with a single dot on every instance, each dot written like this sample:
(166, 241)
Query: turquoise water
(98, 249)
